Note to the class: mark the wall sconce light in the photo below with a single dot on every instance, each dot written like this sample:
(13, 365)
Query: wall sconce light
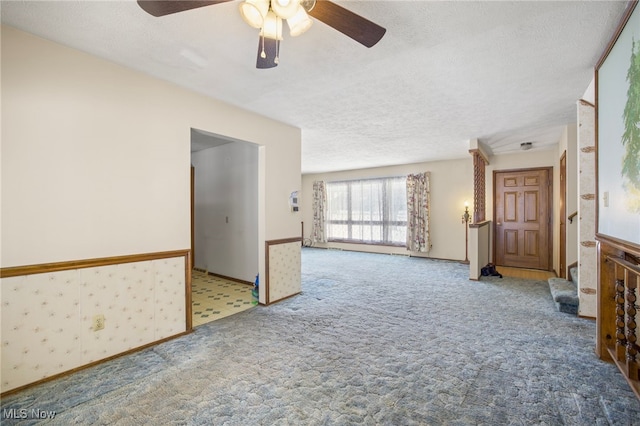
(465, 221)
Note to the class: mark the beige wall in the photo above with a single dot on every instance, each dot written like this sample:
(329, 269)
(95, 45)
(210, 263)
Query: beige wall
(95, 157)
(96, 163)
(479, 248)
(451, 185)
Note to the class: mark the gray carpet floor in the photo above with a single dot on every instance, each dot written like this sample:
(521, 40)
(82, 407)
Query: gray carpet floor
(374, 340)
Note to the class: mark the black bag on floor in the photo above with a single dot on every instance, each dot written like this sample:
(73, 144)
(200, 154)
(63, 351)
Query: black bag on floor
(490, 271)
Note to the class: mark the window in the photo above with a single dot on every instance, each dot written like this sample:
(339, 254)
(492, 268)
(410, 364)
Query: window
(372, 211)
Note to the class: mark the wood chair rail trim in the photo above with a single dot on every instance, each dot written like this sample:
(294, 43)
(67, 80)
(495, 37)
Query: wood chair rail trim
(15, 271)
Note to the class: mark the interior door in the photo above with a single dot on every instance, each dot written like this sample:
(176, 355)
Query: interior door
(523, 218)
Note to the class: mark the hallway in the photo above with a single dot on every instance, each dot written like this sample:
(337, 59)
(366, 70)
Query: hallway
(213, 297)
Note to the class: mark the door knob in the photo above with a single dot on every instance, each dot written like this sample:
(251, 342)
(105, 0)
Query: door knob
(499, 223)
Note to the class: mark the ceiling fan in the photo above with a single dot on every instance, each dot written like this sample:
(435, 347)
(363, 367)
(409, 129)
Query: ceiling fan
(267, 15)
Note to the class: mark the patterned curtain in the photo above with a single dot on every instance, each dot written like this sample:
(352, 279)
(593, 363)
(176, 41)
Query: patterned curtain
(418, 212)
(319, 212)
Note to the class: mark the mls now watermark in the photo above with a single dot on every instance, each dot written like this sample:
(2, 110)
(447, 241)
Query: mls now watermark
(24, 413)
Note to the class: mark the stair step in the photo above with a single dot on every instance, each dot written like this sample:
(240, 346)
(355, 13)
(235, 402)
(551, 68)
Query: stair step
(564, 294)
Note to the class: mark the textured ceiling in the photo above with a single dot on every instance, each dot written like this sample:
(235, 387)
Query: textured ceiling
(444, 73)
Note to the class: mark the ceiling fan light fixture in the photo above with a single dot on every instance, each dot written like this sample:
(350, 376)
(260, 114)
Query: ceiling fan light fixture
(285, 9)
(308, 5)
(272, 27)
(267, 16)
(254, 12)
(299, 23)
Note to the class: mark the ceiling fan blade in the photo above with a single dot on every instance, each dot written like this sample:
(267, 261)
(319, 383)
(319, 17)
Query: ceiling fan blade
(348, 23)
(167, 7)
(271, 48)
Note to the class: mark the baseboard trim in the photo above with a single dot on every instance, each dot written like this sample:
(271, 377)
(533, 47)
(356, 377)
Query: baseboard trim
(409, 254)
(587, 317)
(236, 280)
(92, 364)
(284, 298)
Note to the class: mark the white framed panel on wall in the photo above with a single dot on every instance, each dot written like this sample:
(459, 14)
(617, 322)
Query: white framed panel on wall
(284, 266)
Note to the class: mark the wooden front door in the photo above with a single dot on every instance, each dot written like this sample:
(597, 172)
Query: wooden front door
(522, 217)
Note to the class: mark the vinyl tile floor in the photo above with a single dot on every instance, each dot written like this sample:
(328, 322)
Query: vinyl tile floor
(213, 297)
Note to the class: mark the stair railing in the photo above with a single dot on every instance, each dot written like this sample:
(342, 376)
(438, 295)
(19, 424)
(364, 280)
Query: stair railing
(625, 352)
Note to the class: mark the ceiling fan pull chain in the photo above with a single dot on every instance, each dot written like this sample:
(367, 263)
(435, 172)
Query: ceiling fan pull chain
(262, 54)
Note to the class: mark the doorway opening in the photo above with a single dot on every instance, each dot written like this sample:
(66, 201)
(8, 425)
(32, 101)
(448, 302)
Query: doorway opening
(224, 225)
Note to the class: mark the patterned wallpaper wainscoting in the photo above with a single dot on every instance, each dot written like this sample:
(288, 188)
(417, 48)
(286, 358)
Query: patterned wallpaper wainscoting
(587, 255)
(284, 266)
(47, 318)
